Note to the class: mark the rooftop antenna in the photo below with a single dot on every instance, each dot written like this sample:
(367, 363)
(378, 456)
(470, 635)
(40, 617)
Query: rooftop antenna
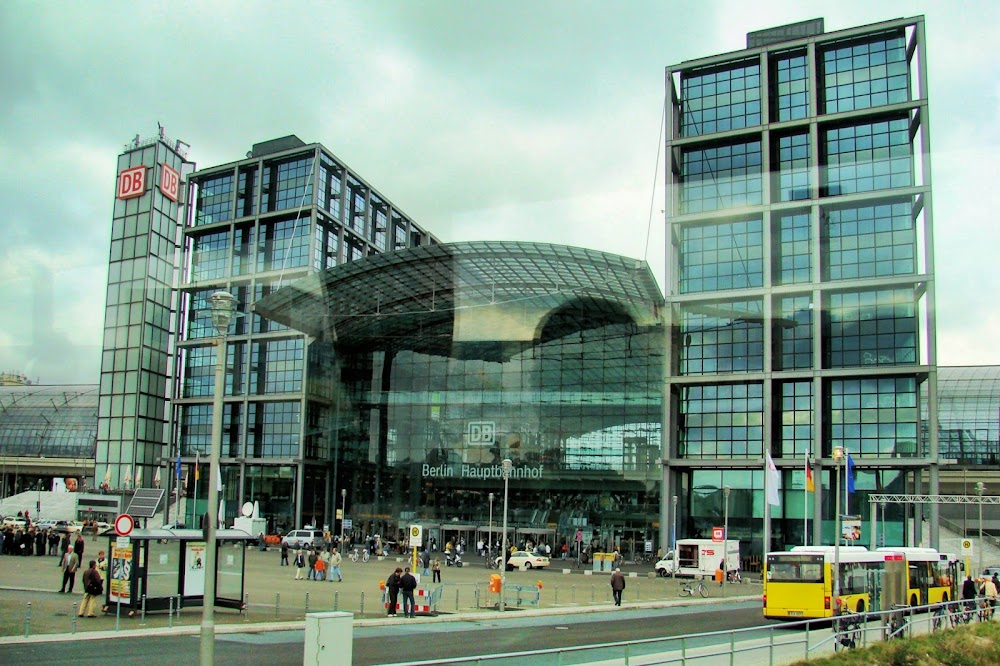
(159, 128)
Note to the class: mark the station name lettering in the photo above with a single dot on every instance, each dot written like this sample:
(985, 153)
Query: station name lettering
(479, 471)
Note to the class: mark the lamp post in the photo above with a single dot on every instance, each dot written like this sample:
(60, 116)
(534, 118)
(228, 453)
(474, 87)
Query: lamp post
(223, 310)
(980, 489)
(725, 536)
(489, 534)
(838, 456)
(673, 534)
(507, 465)
(343, 517)
(38, 512)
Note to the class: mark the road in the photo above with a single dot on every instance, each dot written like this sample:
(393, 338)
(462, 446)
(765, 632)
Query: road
(395, 641)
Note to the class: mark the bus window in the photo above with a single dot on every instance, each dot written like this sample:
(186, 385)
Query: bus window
(795, 568)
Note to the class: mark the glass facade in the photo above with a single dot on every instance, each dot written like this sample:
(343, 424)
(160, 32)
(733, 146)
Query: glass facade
(797, 299)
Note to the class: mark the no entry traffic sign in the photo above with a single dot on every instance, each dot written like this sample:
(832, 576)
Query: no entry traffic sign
(124, 525)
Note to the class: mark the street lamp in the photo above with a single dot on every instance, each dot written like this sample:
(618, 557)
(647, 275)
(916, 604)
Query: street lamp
(507, 465)
(673, 535)
(489, 533)
(725, 537)
(343, 517)
(980, 489)
(223, 310)
(838, 456)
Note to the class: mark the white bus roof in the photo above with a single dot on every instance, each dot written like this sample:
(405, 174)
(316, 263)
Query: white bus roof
(919, 554)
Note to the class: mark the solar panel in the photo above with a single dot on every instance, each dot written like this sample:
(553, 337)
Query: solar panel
(144, 502)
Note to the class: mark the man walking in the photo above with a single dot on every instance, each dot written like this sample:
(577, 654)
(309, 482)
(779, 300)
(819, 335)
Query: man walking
(335, 561)
(70, 563)
(93, 587)
(408, 583)
(617, 586)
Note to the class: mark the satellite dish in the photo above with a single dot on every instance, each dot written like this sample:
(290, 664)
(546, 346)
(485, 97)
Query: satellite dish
(247, 509)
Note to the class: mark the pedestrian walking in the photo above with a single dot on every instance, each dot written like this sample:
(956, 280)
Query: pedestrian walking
(313, 558)
(284, 553)
(70, 563)
(408, 583)
(93, 587)
(321, 568)
(436, 568)
(425, 561)
(335, 560)
(617, 586)
(78, 547)
(392, 588)
(300, 564)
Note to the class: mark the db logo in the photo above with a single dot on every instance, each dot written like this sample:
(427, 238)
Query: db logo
(481, 432)
(132, 182)
(170, 182)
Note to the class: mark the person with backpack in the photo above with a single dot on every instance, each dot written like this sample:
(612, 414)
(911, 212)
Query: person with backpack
(93, 587)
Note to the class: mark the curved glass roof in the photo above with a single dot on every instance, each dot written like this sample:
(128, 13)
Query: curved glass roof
(429, 298)
(969, 413)
(55, 421)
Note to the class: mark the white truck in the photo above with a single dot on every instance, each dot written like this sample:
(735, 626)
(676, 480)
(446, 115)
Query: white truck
(699, 557)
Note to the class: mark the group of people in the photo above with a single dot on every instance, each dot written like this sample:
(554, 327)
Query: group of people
(987, 588)
(318, 563)
(29, 540)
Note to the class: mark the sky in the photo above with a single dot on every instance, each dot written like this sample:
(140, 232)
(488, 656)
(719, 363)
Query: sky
(522, 120)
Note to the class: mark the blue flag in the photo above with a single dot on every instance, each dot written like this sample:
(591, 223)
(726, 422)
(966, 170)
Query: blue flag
(178, 466)
(850, 473)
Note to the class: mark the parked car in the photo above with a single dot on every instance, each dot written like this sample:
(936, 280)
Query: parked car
(303, 538)
(45, 524)
(14, 521)
(989, 572)
(523, 560)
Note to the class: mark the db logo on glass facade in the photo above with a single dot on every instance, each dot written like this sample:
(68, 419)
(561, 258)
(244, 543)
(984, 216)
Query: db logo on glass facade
(482, 432)
(132, 182)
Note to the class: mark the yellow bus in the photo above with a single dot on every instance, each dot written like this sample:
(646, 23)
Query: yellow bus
(798, 584)
(932, 576)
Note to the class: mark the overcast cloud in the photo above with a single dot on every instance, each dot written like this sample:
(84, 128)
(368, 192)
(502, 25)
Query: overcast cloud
(535, 121)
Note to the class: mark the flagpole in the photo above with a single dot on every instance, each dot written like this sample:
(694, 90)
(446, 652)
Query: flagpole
(805, 502)
(847, 495)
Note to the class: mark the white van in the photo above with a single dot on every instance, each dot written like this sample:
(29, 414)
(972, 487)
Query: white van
(303, 538)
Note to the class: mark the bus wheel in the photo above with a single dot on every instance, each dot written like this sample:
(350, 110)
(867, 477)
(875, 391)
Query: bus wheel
(861, 605)
(913, 601)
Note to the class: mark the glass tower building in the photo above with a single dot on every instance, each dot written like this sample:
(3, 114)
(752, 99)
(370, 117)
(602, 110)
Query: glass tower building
(800, 281)
(285, 211)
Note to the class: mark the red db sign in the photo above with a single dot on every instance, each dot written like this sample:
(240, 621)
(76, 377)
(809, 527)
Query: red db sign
(718, 534)
(132, 182)
(170, 182)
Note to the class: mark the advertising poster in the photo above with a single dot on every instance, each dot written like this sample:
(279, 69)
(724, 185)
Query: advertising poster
(121, 574)
(851, 528)
(194, 563)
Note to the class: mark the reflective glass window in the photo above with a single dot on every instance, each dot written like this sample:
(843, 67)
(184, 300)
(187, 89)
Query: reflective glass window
(793, 333)
(283, 244)
(209, 256)
(215, 197)
(794, 254)
(869, 241)
(793, 167)
(721, 176)
(727, 255)
(790, 86)
(720, 99)
(877, 327)
(875, 417)
(721, 421)
(796, 415)
(276, 366)
(864, 73)
(868, 156)
(722, 338)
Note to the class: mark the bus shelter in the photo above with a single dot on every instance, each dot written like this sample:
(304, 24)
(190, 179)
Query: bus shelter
(167, 568)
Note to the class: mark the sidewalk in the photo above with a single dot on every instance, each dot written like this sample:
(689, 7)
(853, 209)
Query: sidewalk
(277, 601)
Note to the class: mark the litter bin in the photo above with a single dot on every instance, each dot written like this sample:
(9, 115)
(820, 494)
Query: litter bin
(718, 576)
(495, 580)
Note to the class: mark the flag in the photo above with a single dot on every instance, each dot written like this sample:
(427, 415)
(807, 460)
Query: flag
(138, 476)
(197, 465)
(218, 479)
(127, 480)
(810, 484)
(178, 472)
(850, 473)
(773, 482)
(156, 478)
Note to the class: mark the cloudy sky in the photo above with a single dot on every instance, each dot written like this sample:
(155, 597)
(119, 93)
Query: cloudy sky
(527, 120)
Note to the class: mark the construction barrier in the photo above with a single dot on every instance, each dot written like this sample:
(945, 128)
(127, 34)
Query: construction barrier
(425, 601)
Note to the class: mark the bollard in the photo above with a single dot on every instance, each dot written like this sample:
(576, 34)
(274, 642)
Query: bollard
(456, 599)
(142, 616)
(307, 603)
(362, 612)
(336, 601)
(246, 607)
(118, 614)
(27, 621)
(178, 609)
(573, 595)
(592, 594)
(277, 604)
(555, 597)
(73, 626)
(476, 595)
(171, 614)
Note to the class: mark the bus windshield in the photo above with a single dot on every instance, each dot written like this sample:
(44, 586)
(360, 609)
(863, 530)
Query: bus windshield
(794, 568)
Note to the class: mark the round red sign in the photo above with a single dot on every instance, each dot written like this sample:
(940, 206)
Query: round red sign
(124, 525)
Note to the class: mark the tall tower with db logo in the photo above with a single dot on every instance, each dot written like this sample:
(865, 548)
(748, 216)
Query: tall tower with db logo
(140, 309)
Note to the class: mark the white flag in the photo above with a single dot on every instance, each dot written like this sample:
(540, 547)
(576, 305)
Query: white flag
(773, 482)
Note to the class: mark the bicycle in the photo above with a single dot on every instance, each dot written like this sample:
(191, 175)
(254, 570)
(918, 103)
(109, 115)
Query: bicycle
(364, 556)
(938, 617)
(892, 627)
(688, 589)
(847, 631)
(985, 610)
